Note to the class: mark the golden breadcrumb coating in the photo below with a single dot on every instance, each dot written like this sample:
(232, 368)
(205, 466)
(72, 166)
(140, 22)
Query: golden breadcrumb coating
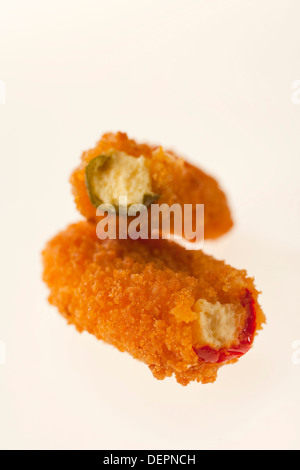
(139, 296)
(173, 179)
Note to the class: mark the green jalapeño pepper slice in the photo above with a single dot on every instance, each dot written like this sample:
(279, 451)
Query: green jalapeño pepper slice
(91, 171)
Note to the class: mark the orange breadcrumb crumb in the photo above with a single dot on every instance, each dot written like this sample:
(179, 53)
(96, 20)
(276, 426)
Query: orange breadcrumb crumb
(138, 296)
(175, 180)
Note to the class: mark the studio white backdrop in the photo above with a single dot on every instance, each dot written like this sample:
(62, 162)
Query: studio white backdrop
(216, 81)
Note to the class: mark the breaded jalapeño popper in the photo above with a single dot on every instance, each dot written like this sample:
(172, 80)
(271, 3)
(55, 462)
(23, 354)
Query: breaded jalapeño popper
(180, 312)
(118, 166)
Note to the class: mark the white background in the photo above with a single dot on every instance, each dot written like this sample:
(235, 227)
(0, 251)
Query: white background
(213, 80)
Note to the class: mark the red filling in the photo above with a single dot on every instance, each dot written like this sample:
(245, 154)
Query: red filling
(213, 356)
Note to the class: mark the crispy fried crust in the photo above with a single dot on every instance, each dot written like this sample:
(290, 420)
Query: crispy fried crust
(175, 180)
(138, 296)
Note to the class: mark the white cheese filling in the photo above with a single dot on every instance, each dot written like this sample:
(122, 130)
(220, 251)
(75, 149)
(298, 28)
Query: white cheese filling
(122, 175)
(218, 323)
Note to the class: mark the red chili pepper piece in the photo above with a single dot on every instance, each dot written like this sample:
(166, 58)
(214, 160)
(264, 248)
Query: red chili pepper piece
(213, 356)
